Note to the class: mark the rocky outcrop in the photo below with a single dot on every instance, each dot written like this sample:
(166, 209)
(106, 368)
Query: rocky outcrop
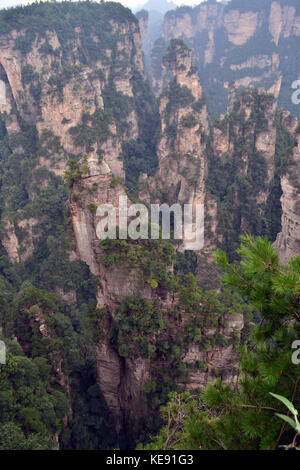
(120, 380)
(10, 241)
(108, 364)
(239, 129)
(258, 140)
(288, 240)
(58, 111)
(240, 27)
(283, 21)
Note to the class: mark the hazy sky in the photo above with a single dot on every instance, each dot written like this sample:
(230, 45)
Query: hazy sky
(129, 3)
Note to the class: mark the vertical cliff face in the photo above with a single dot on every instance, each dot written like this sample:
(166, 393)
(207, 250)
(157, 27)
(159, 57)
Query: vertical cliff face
(143, 17)
(62, 95)
(120, 379)
(288, 240)
(184, 128)
(250, 123)
(144, 334)
(78, 96)
(252, 152)
(244, 43)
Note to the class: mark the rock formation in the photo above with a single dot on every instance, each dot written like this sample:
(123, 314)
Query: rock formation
(239, 42)
(79, 108)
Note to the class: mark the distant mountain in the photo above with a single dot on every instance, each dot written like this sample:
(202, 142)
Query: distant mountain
(161, 6)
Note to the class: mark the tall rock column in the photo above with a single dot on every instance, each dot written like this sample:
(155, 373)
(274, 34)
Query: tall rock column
(184, 127)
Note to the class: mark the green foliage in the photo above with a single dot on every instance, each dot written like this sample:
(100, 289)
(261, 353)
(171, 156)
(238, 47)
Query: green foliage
(179, 96)
(186, 262)
(189, 120)
(115, 181)
(271, 288)
(138, 321)
(140, 156)
(28, 74)
(118, 105)
(46, 49)
(158, 51)
(285, 144)
(63, 17)
(177, 49)
(151, 257)
(294, 423)
(94, 128)
(72, 173)
(59, 79)
(24, 43)
(92, 207)
(27, 400)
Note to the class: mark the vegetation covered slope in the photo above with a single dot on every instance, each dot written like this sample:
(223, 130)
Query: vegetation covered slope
(245, 417)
